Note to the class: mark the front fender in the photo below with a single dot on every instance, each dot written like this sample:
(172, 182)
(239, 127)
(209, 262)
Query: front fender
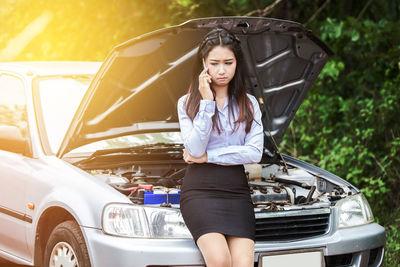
(57, 184)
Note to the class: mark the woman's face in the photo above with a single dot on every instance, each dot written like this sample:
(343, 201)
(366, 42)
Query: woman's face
(221, 63)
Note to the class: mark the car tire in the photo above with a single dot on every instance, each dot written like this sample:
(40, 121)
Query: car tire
(66, 247)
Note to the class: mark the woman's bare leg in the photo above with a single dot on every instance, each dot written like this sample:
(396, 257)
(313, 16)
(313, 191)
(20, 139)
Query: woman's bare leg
(241, 250)
(215, 250)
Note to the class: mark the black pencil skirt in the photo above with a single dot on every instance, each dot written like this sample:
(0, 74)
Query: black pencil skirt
(217, 199)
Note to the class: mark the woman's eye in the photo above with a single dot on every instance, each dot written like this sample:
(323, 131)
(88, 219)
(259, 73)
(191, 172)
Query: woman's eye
(213, 64)
(228, 63)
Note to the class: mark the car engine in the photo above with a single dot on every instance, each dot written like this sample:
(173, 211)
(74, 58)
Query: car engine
(272, 188)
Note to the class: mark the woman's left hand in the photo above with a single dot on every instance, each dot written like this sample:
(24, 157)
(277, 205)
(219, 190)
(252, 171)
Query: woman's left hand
(190, 159)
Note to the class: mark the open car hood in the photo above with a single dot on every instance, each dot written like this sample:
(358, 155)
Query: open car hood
(138, 85)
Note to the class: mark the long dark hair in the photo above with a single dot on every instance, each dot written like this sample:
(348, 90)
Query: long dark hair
(236, 89)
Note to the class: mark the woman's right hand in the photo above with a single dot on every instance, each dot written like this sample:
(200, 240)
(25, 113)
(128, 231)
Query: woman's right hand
(190, 159)
(204, 85)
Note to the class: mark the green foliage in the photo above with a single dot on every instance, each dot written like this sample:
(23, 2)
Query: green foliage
(349, 124)
(393, 244)
(392, 255)
(74, 29)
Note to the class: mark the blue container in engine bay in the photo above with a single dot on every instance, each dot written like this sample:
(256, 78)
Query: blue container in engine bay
(158, 196)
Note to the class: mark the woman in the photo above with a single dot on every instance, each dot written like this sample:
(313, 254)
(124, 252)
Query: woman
(222, 130)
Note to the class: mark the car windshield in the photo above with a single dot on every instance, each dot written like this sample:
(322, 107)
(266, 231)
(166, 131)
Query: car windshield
(59, 97)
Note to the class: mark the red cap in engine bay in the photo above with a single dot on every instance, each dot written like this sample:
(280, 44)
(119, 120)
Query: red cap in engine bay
(141, 186)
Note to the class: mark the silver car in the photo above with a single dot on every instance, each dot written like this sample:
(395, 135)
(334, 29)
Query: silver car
(91, 157)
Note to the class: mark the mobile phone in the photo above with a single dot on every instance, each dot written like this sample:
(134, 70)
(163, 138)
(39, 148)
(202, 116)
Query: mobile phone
(204, 64)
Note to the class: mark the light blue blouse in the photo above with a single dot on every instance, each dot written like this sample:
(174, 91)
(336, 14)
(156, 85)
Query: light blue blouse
(228, 148)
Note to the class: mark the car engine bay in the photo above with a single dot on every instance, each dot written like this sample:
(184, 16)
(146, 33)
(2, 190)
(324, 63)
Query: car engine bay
(271, 187)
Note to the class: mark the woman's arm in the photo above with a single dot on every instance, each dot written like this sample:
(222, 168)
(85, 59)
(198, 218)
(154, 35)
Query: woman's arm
(196, 133)
(250, 152)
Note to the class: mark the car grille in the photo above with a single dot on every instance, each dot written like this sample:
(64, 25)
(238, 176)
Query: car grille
(291, 225)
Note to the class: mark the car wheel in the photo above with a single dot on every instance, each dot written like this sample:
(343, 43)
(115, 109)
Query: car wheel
(66, 247)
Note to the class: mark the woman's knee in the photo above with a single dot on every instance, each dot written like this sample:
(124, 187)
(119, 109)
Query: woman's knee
(218, 260)
(242, 261)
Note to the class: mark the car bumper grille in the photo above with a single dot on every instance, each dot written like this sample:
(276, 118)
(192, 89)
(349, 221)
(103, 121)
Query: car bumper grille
(291, 225)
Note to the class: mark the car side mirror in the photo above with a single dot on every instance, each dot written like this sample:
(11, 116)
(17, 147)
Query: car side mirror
(11, 139)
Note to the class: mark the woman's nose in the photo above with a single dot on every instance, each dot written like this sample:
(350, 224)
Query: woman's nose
(221, 69)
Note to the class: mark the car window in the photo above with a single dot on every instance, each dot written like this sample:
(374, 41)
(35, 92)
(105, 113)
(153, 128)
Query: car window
(59, 97)
(13, 103)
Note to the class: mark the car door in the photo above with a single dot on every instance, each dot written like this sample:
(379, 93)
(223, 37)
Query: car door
(14, 170)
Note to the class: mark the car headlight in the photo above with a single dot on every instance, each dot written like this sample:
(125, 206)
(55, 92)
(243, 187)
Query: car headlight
(146, 222)
(166, 223)
(125, 220)
(354, 210)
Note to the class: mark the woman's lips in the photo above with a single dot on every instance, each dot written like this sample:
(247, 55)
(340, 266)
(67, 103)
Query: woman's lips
(221, 79)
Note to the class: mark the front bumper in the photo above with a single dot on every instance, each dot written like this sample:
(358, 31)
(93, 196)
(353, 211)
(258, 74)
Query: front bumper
(106, 251)
(341, 247)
